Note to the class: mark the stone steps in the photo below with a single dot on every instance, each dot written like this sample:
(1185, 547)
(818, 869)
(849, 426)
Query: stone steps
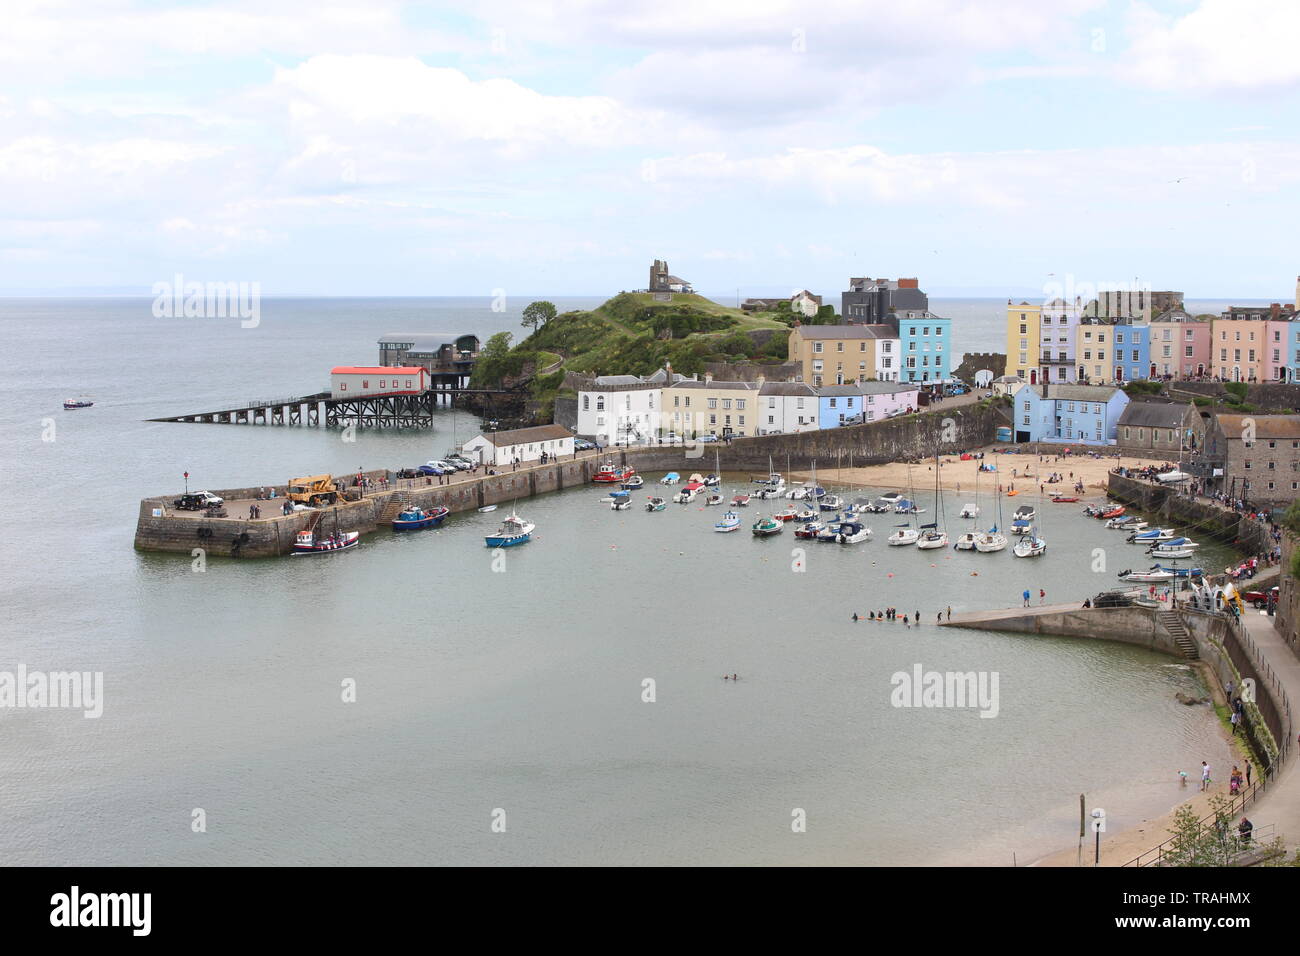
(1174, 625)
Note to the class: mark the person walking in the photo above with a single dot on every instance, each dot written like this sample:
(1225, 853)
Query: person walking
(950, 612)
(1042, 596)
(1205, 776)
(1026, 597)
(1247, 773)
(1236, 717)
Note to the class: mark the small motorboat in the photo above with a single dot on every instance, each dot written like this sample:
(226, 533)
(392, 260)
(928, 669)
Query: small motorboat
(966, 541)
(1116, 512)
(932, 537)
(1183, 572)
(1185, 543)
(1127, 523)
(970, 510)
(514, 530)
(810, 530)
(670, 479)
(986, 542)
(830, 533)
(713, 499)
(903, 534)
(1171, 554)
(906, 506)
(696, 479)
(787, 514)
(830, 503)
(632, 483)
(610, 473)
(76, 403)
(852, 532)
(1030, 547)
(730, 522)
(487, 508)
(1021, 526)
(620, 500)
(891, 498)
(766, 526)
(414, 519)
(309, 542)
(768, 492)
(1064, 499)
(712, 481)
(1025, 512)
(1156, 575)
(881, 506)
(685, 496)
(655, 504)
(740, 501)
(1151, 536)
(808, 514)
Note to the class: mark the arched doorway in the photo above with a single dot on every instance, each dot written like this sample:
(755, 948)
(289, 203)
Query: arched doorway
(1033, 376)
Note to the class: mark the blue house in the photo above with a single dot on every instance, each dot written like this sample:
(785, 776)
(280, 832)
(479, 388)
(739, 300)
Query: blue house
(1132, 352)
(864, 402)
(1069, 414)
(925, 341)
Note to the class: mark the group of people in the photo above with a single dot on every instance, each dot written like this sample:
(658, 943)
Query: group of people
(891, 614)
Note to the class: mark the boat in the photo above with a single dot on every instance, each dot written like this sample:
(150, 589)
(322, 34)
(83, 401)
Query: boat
(309, 542)
(740, 501)
(1030, 546)
(906, 506)
(891, 498)
(931, 537)
(770, 486)
(655, 504)
(1116, 512)
(696, 479)
(632, 483)
(1064, 499)
(1151, 536)
(808, 514)
(730, 522)
(970, 510)
(712, 480)
(810, 530)
(1127, 522)
(713, 499)
(903, 534)
(1025, 512)
(685, 496)
(787, 514)
(966, 541)
(1183, 572)
(766, 526)
(830, 503)
(881, 506)
(986, 542)
(670, 479)
(1187, 543)
(1021, 526)
(829, 533)
(610, 473)
(76, 403)
(1172, 554)
(852, 532)
(620, 500)
(1156, 575)
(486, 509)
(1173, 477)
(514, 530)
(413, 518)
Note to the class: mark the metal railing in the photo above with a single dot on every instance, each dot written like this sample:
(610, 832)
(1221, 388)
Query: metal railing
(1156, 855)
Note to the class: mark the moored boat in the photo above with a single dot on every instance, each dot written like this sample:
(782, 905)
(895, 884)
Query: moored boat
(713, 499)
(1116, 512)
(1064, 499)
(987, 542)
(807, 514)
(970, 510)
(670, 479)
(1156, 575)
(414, 519)
(1152, 536)
(740, 501)
(632, 483)
(787, 514)
(685, 496)
(903, 534)
(965, 541)
(610, 473)
(932, 537)
(655, 503)
(1030, 546)
(810, 530)
(1025, 513)
(514, 530)
(766, 526)
(852, 532)
(830, 503)
(77, 403)
(730, 522)
(309, 542)
(620, 500)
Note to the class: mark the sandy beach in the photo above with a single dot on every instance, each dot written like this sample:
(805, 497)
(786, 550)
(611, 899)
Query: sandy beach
(1023, 473)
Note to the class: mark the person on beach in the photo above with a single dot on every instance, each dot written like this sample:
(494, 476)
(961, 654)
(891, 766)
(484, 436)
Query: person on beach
(938, 618)
(1205, 776)
(1042, 596)
(1026, 597)
(950, 612)
(1182, 778)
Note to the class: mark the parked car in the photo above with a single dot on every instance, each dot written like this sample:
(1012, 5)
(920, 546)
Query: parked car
(672, 438)
(1261, 599)
(707, 438)
(433, 469)
(409, 473)
(197, 501)
(581, 444)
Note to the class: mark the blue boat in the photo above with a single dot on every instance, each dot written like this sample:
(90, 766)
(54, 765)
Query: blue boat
(1181, 572)
(670, 479)
(514, 530)
(414, 519)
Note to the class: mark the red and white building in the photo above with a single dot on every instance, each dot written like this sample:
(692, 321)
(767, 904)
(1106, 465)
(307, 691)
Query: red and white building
(370, 381)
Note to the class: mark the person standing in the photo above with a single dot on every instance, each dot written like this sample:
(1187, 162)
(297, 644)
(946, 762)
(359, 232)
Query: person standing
(1026, 597)
(950, 612)
(1248, 773)
(1205, 776)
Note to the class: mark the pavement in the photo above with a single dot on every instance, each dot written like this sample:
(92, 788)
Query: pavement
(1280, 804)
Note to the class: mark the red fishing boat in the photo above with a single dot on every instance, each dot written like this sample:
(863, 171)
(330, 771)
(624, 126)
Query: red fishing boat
(1112, 513)
(610, 473)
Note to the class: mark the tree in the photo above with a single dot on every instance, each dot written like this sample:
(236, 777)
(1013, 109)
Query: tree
(491, 360)
(537, 314)
(1195, 845)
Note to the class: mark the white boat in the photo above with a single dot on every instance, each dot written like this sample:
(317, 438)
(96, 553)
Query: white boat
(633, 483)
(904, 534)
(1187, 543)
(730, 522)
(1021, 526)
(1172, 477)
(1030, 546)
(1157, 575)
(932, 538)
(1025, 513)
(713, 499)
(891, 497)
(1171, 553)
(970, 510)
(685, 496)
(966, 541)
(1127, 523)
(851, 532)
(619, 500)
(986, 542)
(1152, 536)
(830, 503)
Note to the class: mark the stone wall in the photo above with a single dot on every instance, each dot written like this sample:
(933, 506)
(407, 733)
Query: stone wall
(1265, 396)
(1127, 625)
(1288, 607)
(1193, 515)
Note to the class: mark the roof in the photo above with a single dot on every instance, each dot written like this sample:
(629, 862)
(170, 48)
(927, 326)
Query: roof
(522, 436)
(1008, 379)
(1078, 393)
(788, 388)
(869, 388)
(617, 380)
(847, 331)
(1155, 414)
(1266, 426)
(378, 370)
(734, 386)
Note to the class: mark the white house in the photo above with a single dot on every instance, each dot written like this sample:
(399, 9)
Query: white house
(522, 445)
(888, 359)
(785, 407)
(368, 381)
(620, 409)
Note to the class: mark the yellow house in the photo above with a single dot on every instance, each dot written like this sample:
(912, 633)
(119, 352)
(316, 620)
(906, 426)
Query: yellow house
(1093, 350)
(1024, 323)
(843, 354)
(693, 408)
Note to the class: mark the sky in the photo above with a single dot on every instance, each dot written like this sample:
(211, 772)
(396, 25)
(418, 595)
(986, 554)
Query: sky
(371, 147)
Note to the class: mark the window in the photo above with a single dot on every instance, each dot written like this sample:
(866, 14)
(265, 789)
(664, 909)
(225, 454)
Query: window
(741, 421)
(839, 346)
(365, 383)
(600, 403)
(713, 403)
(381, 383)
(817, 346)
(771, 402)
(726, 403)
(343, 386)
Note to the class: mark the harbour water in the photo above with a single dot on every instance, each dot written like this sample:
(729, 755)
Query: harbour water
(516, 687)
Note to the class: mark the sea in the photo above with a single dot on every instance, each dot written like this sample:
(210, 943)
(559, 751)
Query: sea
(420, 701)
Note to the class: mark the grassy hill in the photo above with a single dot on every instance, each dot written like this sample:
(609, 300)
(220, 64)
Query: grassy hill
(634, 334)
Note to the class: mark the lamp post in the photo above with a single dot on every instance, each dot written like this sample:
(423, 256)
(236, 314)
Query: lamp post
(1098, 827)
(187, 482)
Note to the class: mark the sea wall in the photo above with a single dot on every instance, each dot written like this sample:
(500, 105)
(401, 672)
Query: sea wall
(240, 537)
(1288, 607)
(1127, 625)
(1189, 514)
(895, 439)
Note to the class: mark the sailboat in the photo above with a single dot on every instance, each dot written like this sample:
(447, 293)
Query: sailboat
(904, 534)
(1031, 543)
(966, 540)
(987, 542)
(932, 536)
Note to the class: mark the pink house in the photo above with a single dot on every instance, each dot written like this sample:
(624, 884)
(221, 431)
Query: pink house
(1180, 346)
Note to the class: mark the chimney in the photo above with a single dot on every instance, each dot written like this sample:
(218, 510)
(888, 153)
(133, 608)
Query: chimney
(1297, 293)
(708, 377)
